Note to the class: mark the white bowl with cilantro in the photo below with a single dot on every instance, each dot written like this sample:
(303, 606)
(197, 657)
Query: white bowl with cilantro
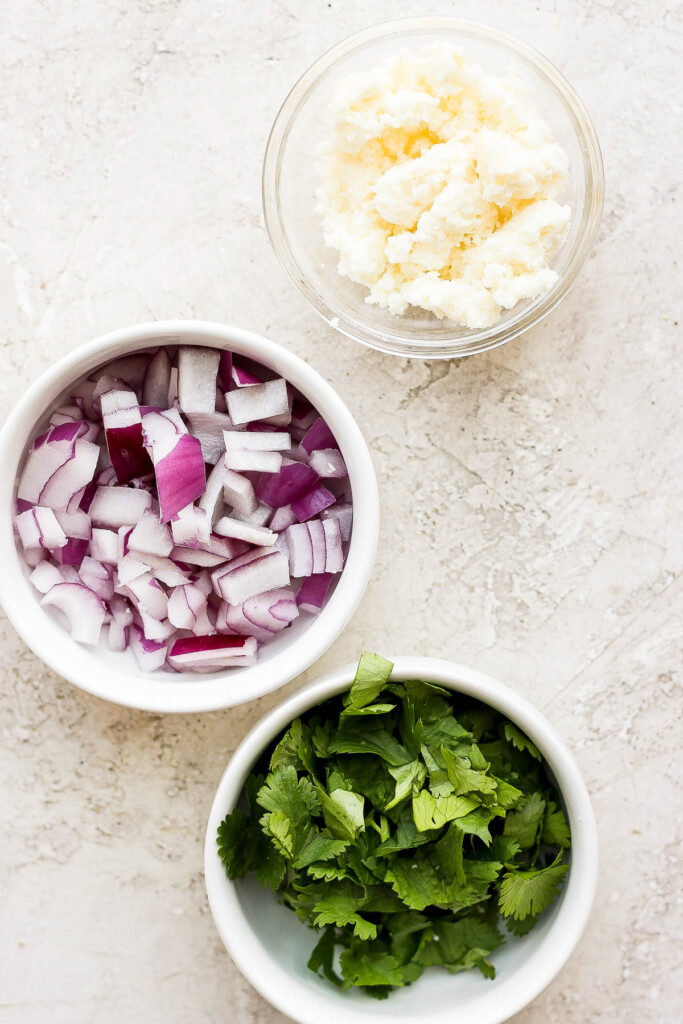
(436, 841)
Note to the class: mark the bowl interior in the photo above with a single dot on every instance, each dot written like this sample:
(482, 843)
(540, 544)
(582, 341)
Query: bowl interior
(117, 676)
(272, 947)
(290, 182)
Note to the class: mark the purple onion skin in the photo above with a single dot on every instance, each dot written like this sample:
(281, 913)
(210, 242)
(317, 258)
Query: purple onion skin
(313, 502)
(319, 436)
(292, 482)
(127, 452)
(180, 476)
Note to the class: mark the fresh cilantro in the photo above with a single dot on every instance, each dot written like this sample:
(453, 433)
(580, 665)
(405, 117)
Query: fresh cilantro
(530, 892)
(409, 827)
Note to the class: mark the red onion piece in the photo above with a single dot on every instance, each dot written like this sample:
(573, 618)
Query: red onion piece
(151, 537)
(258, 535)
(197, 373)
(343, 512)
(258, 402)
(292, 482)
(113, 507)
(117, 636)
(150, 654)
(313, 502)
(156, 379)
(243, 378)
(123, 432)
(191, 527)
(256, 440)
(209, 428)
(211, 500)
(157, 427)
(105, 547)
(39, 528)
(251, 574)
(187, 609)
(98, 576)
(319, 436)
(147, 593)
(271, 611)
(84, 610)
(45, 576)
(180, 475)
(72, 553)
(328, 462)
(313, 592)
(129, 369)
(225, 370)
(66, 414)
(216, 651)
(253, 462)
(282, 518)
(238, 492)
(334, 552)
(304, 414)
(261, 515)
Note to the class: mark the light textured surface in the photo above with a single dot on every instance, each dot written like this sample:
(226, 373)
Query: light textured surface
(531, 497)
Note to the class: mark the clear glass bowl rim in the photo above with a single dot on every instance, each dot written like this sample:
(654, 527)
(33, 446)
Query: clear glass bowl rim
(386, 340)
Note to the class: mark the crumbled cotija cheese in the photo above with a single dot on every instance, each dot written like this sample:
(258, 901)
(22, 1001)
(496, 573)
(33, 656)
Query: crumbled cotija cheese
(439, 188)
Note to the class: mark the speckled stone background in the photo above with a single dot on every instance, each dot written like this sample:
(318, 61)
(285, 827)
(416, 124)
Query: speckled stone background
(531, 497)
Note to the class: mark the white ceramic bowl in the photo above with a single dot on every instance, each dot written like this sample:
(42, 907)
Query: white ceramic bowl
(271, 946)
(117, 677)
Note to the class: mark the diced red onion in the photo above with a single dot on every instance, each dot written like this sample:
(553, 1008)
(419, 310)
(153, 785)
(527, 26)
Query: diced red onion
(209, 428)
(319, 436)
(212, 498)
(292, 482)
(258, 402)
(216, 651)
(343, 512)
(258, 535)
(135, 471)
(150, 654)
(130, 369)
(159, 426)
(256, 440)
(45, 576)
(191, 527)
(253, 462)
(39, 528)
(72, 553)
(84, 610)
(304, 414)
(261, 515)
(117, 636)
(328, 462)
(225, 370)
(157, 379)
(105, 547)
(282, 518)
(312, 593)
(238, 492)
(98, 576)
(251, 574)
(151, 537)
(124, 435)
(271, 611)
(313, 502)
(147, 593)
(197, 373)
(187, 609)
(113, 507)
(180, 474)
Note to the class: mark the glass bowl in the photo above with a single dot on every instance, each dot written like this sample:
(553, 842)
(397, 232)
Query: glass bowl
(290, 181)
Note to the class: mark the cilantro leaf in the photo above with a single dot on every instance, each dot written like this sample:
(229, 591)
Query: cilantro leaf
(409, 778)
(523, 824)
(520, 741)
(322, 957)
(372, 675)
(555, 831)
(529, 892)
(433, 812)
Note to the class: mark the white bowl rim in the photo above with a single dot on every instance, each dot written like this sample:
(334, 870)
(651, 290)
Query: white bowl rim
(478, 340)
(525, 984)
(154, 692)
